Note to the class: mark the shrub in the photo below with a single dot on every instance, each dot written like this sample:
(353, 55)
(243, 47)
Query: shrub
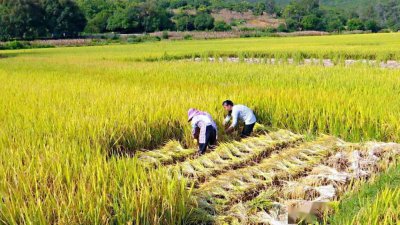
(334, 25)
(203, 21)
(385, 31)
(133, 39)
(311, 22)
(282, 28)
(184, 22)
(16, 45)
(165, 35)
(188, 37)
(247, 29)
(271, 30)
(233, 23)
(12, 45)
(355, 24)
(221, 26)
(372, 25)
(98, 24)
(143, 38)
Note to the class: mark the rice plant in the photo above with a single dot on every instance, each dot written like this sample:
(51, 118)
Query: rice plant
(72, 119)
(383, 210)
(365, 203)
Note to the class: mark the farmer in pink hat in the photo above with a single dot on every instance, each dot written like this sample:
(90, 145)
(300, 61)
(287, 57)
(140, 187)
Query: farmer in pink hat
(203, 128)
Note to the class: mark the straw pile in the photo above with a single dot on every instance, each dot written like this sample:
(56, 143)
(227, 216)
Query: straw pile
(328, 181)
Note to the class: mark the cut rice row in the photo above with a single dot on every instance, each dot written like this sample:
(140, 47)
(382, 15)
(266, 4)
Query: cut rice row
(285, 203)
(173, 152)
(234, 155)
(356, 162)
(229, 188)
(170, 153)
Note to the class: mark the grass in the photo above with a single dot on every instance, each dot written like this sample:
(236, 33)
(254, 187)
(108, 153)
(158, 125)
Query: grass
(66, 112)
(383, 210)
(374, 203)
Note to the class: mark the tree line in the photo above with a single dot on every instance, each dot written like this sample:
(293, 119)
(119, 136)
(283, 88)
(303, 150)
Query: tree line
(309, 15)
(30, 19)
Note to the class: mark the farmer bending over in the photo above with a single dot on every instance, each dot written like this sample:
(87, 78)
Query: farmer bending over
(241, 112)
(204, 129)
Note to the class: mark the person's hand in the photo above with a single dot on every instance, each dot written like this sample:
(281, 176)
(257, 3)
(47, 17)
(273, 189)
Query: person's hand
(229, 130)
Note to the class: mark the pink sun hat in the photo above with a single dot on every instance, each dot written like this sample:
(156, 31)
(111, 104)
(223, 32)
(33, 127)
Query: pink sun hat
(193, 112)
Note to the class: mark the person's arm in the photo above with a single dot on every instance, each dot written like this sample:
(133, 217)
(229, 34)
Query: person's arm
(234, 116)
(227, 119)
(194, 129)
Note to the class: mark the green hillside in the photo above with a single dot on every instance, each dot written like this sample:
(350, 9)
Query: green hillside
(345, 4)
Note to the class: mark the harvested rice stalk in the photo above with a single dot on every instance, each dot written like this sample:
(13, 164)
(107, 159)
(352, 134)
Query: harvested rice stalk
(322, 172)
(170, 153)
(314, 188)
(362, 160)
(260, 128)
(173, 151)
(353, 162)
(242, 213)
(242, 184)
(234, 155)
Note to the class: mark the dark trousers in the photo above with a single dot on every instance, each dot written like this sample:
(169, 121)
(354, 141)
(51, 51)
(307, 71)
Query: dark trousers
(211, 139)
(247, 130)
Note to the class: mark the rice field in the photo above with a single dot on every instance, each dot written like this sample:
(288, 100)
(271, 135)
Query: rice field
(99, 135)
